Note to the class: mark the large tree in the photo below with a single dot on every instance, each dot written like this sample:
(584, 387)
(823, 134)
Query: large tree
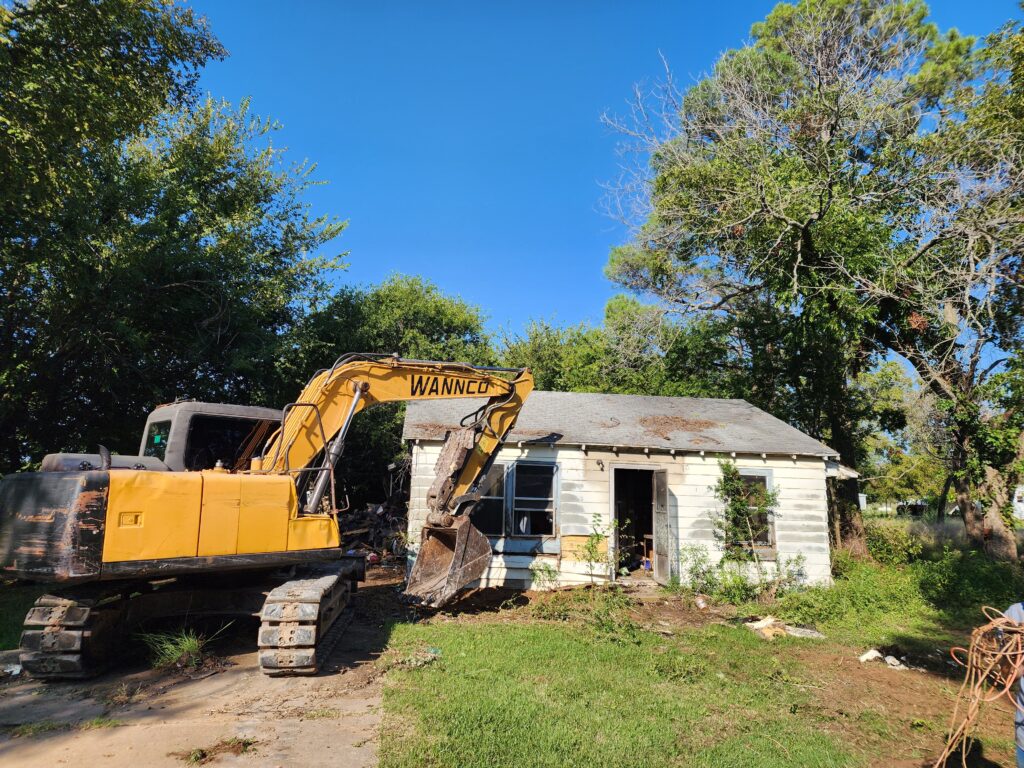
(853, 170)
(152, 245)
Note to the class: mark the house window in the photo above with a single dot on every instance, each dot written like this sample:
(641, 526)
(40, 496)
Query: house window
(533, 500)
(517, 500)
(760, 524)
(489, 512)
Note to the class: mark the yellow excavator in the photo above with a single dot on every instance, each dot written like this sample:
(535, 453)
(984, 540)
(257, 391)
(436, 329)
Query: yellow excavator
(230, 510)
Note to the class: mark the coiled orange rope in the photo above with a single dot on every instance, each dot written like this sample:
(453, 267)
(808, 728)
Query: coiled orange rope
(993, 663)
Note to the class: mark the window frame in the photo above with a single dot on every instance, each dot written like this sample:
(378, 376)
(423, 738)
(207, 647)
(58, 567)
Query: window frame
(509, 477)
(149, 446)
(510, 499)
(763, 551)
(505, 467)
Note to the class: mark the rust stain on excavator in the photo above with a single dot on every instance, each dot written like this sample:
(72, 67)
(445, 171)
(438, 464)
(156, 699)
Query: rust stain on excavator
(33, 548)
(52, 527)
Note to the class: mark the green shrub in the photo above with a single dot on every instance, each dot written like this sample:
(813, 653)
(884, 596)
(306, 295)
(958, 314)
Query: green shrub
(865, 590)
(958, 582)
(871, 602)
(892, 544)
(729, 581)
(604, 608)
(842, 563)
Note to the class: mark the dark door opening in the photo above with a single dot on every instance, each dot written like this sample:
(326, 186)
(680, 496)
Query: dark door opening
(634, 519)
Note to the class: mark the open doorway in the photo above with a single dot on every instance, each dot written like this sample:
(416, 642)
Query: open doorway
(634, 519)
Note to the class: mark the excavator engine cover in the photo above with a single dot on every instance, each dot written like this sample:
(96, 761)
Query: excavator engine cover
(448, 560)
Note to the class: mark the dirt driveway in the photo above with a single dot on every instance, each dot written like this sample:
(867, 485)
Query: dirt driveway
(145, 718)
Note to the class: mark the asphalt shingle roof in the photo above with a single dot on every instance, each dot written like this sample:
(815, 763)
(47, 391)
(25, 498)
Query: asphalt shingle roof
(628, 421)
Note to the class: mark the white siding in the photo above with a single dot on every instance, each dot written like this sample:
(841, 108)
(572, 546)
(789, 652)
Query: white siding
(801, 518)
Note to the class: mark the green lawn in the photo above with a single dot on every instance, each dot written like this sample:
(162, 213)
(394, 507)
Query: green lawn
(552, 694)
(585, 678)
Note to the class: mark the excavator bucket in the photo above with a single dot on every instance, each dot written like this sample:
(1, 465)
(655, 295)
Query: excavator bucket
(448, 560)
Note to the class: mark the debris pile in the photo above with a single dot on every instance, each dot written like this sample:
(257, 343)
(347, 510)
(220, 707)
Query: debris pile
(890, 659)
(770, 627)
(377, 531)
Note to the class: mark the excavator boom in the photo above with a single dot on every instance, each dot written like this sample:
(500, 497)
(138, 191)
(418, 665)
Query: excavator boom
(452, 552)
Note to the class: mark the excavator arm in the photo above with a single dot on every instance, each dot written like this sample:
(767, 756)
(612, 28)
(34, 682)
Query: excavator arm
(312, 436)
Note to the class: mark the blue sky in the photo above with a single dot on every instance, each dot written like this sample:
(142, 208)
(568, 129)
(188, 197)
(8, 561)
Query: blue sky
(462, 140)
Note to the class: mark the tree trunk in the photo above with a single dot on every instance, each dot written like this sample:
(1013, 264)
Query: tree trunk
(844, 512)
(940, 513)
(985, 527)
(844, 500)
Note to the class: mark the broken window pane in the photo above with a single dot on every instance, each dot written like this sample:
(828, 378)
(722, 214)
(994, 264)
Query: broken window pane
(533, 505)
(489, 512)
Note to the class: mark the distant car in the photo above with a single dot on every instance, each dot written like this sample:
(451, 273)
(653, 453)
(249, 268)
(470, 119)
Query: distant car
(914, 508)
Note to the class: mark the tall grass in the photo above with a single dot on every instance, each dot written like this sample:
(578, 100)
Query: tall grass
(183, 649)
(175, 649)
(915, 591)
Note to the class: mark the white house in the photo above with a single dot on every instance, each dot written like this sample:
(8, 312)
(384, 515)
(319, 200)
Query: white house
(639, 468)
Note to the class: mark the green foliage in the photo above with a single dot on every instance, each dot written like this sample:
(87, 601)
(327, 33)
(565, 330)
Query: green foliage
(873, 603)
(863, 593)
(745, 515)
(824, 190)
(637, 350)
(543, 575)
(76, 78)
(595, 551)
(737, 582)
(960, 582)
(567, 359)
(891, 544)
(842, 563)
(151, 246)
(184, 649)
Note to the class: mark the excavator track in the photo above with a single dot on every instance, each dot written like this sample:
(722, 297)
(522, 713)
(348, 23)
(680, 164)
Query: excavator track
(70, 638)
(300, 620)
(78, 634)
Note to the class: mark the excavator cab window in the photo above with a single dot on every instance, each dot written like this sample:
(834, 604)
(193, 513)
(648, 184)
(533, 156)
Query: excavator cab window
(231, 441)
(156, 439)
